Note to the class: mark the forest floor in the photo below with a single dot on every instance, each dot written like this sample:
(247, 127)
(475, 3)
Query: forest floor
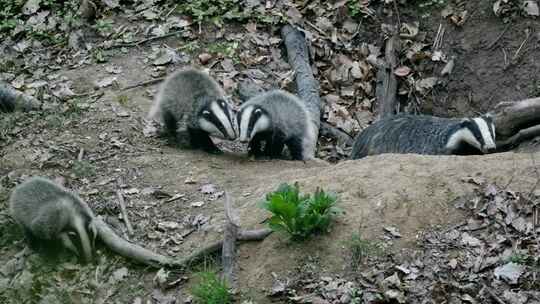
(416, 229)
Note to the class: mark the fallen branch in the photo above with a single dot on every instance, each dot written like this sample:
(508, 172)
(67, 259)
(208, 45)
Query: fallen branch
(124, 212)
(519, 137)
(243, 236)
(228, 252)
(306, 84)
(12, 100)
(511, 117)
(144, 83)
(386, 79)
(137, 43)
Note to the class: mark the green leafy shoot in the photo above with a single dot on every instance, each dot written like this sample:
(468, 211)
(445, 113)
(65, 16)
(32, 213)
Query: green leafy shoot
(300, 215)
(211, 289)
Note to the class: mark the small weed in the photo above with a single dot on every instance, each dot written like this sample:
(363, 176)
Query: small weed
(54, 121)
(210, 289)
(300, 215)
(99, 56)
(360, 249)
(518, 258)
(103, 27)
(226, 49)
(83, 169)
(122, 100)
(358, 9)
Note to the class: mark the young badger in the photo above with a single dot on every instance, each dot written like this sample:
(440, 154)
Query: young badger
(274, 119)
(422, 134)
(51, 216)
(191, 105)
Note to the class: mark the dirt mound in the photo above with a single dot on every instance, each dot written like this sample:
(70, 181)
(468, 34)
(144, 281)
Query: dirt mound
(409, 192)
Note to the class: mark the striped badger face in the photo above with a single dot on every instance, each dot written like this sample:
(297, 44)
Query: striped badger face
(80, 237)
(252, 119)
(478, 132)
(216, 119)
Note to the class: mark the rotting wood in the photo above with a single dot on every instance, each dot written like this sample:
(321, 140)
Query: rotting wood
(386, 89)
(228, 251)
(511, 117)
(124, 212)
(306, 84)
(12, 100)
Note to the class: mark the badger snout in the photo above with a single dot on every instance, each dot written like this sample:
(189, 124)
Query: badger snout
(490, 150)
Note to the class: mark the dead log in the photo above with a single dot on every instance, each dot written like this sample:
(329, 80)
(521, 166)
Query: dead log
(228, 252)
(216, 247)
(306, 84)
(511, 117)
(12, 100)
(386, 89)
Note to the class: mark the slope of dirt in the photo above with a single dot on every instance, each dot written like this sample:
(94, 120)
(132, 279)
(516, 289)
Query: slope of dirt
(485, 71)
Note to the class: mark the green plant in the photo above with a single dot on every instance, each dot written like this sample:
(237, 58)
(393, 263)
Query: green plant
(300, 215)
(83, 168)
(361, 248)
(210, 289)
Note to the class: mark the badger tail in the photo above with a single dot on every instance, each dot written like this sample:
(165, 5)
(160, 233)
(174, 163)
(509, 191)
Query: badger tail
(11, 100)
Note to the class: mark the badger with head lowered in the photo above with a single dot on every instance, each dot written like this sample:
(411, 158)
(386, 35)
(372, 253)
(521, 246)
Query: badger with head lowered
(51, 217)
(275, 119)
(192, 107)
(423, 134)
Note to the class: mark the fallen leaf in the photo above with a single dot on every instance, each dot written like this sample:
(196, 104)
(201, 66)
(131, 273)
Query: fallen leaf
(510, 272)
(402, 71)
(531, 8)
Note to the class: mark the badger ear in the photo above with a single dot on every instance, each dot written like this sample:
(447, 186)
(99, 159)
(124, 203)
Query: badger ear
(466, 123)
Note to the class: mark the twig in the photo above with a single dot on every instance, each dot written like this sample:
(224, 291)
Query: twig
(528, 34)
(144, 83)
(317, 29)
(81, 154)
(228, 252)
(397, 14)
(498, 37)
(493, 295)
(124, 212)
(137, 43)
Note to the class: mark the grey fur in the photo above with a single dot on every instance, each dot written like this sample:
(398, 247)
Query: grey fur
(422, 134)
(180, 103)
(49, 214)
(289, 124)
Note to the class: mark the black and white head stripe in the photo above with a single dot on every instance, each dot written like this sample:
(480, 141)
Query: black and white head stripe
(216, 119)
(252, 120)
(478, 132)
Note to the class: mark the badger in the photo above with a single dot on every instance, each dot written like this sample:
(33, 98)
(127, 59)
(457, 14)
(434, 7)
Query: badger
(51, 216)
(271, 120)
(191, 106)
(423, 134)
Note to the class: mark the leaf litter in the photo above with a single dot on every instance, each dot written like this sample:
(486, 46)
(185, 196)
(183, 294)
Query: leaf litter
(491, 257)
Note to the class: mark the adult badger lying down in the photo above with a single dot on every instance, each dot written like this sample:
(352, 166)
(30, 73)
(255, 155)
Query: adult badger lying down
(422, 134)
